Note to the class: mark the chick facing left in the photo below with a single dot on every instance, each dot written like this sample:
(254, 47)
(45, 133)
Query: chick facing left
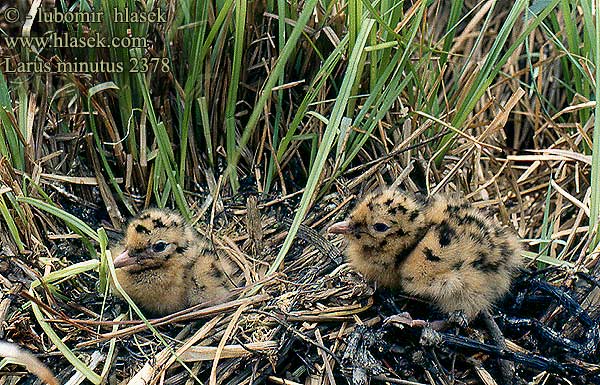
(439, 248)
(165, 265)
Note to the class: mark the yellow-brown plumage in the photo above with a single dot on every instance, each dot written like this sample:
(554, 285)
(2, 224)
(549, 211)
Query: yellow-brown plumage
(164, 265)
(440, 248)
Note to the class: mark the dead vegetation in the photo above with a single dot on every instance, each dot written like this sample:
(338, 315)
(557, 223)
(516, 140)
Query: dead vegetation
(523, 151)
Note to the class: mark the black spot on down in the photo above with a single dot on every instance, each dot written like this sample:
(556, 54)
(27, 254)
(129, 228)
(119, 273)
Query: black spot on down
(430, 256)
(483, 264)
(413, 215)
(405, 252)
(472, 219)
(506, 250)
(368, 249)
(181, 249)
(457, 266)
(480, 261)
(141, 229)
(446, 233)
(400, 232)
(457, 207)
(215, 272)
(199, 286)
(394, 209)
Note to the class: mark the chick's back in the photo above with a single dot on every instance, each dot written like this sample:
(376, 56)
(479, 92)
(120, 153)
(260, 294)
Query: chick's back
(466, 260)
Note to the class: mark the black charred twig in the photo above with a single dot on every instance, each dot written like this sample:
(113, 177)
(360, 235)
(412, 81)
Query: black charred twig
(532, 361)
(553, 336)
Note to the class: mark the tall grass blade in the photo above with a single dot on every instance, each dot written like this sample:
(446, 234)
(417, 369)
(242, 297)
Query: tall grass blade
(77, 224)
(595, 177)
(493, 63)
(331, 131)
(41, 319)
(282, 60)
(10, 222)
(238, 53)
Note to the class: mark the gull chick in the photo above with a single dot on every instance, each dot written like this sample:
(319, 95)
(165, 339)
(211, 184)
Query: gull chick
(164, 265)
(441, 249)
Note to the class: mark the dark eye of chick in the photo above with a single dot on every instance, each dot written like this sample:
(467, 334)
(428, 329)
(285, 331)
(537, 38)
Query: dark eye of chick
(380, 227)
(159, 246)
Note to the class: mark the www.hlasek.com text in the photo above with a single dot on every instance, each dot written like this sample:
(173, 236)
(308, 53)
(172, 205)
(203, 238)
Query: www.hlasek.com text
(66, 40)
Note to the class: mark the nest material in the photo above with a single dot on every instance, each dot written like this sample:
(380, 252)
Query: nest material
(315, 322)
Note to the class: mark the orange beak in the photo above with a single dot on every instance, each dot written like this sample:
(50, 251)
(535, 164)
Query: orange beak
(123, 259)
(344, 227)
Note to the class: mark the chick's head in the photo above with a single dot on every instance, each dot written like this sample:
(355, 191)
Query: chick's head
(384, 221)
(154, 239)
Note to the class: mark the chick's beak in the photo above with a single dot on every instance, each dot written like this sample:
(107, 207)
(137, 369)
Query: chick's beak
(344, 227)
(123, 259)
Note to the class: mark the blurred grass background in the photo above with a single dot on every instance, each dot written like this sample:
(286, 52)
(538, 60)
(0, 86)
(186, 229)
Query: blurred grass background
(493, 99)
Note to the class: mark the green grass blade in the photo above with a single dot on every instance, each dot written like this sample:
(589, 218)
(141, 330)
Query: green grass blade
(56, 340)
(329, 136)
(595, 177)
(238, 48)
(495, 59)
(111, 176)
(203, 106)
(289, 47)
(191, 86)
(12, 227)
(70, 219)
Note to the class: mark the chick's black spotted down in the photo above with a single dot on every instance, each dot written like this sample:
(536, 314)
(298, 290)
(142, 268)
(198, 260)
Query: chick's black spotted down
(440, 248)
(165, 265)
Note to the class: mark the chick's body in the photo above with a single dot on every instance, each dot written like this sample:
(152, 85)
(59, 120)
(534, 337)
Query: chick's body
(440, 248)
(165, 266)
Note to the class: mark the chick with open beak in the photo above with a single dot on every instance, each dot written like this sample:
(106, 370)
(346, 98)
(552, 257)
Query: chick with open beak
(441, 249)
(164, 265)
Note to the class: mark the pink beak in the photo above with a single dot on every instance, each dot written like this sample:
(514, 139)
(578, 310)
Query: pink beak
(344, 227)
(123, 260)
